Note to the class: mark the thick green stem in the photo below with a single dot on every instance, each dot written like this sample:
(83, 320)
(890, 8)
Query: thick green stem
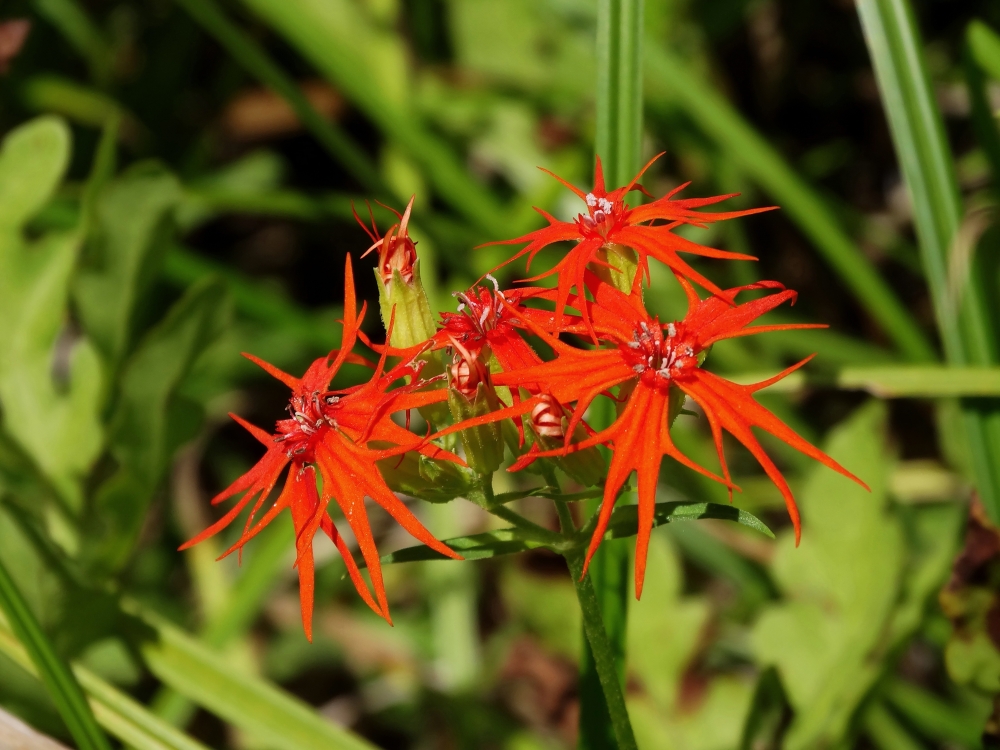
(603, 655)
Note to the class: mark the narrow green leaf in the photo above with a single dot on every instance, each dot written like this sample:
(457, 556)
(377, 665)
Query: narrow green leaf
(671, 82)
(475, 547)
(956, 278)
(131, 232)
(334, 37)
(931, 715)
(256, 61)
(117, 712)
(145, 428)
(625, 519)
(894, 381)
(976, 59)
(985, 46)
(769, 712)
(273, 717)
(886, 732)
(81, 32)
(62, 686)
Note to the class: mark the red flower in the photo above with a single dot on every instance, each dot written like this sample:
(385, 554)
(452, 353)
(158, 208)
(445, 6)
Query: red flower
(331, 431)
(609, 220)
(646, 359)
(396, 251)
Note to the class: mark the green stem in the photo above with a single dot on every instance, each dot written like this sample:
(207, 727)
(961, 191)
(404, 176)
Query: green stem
(514, 519)
(62, 685)
(603, 655)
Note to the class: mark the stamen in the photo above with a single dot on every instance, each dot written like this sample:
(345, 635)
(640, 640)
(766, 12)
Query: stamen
(591, 200)
(671, 330)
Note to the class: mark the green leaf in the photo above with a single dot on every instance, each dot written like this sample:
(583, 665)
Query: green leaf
(272, 716)
(625, 519)
(369, 66)
(932, 716)
(886, 732)
(50, 394)
(769, 712)
(670, 81)
(890, 381)
(985, 46)
(62, 686)
(117, 712)
(131, 234)
(81, 32)
(841, 587)
(958, 283)
(475, 547)
(141, 432)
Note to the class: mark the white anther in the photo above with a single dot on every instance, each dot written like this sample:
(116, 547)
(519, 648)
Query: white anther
(633, 345)
(496, 286)
(605, 205)
(640, 368)
(671, 330)
(591, 200)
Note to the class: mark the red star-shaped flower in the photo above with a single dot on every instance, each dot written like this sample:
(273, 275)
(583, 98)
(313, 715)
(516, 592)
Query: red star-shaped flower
(332, 432)
(609, 220)
(647, 359)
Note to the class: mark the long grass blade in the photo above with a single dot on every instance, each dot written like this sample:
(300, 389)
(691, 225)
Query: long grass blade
(670, 81)
(62, 686)
(960, 299)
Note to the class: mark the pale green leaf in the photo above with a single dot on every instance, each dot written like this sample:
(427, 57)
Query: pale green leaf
(49, 387)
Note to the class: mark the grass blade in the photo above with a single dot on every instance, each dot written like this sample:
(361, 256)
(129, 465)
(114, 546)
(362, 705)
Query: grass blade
(275, 718)
(122, 716)
(892, 381)
(62, 686)
(317, 30)
(670, 81)
(960, 300)
(249, 54)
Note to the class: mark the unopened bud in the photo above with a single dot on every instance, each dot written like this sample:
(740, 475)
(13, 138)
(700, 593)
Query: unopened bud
(547, 418)
(399, 285)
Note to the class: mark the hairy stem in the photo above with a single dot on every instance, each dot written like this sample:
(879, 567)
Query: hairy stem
(602, 653)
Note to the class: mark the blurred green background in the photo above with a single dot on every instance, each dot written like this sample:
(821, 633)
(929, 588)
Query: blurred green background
(186, 195)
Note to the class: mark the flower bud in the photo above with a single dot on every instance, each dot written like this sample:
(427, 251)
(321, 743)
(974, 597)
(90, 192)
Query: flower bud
(399, 285)
(471, 395)
(549, 421)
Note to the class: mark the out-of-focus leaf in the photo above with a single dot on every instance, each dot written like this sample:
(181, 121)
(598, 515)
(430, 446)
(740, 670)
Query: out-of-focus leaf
(669, 81)
(142, 427)
(273, 717)
(886, 732)
(56, 675)
(961, 284)
(49, 382)
(985, 45)
(131, 235)
(117, 712)
(80, 104)
(665, 631)
(81, 32)
(982, 53)
(841, 585)
(625, 519)
(932, 716)
(768, 715)
(892, 381)
(368, 65)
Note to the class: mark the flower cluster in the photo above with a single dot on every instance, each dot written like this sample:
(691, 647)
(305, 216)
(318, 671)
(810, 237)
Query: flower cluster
(476, 375)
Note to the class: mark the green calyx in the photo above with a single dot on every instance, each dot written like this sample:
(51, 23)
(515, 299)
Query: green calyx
(413, 323)
(623, 264)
